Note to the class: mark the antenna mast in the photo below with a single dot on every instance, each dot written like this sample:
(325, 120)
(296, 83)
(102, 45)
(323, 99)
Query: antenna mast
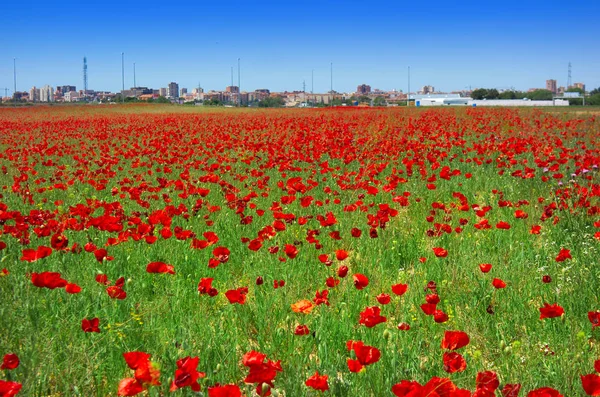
(85, 77)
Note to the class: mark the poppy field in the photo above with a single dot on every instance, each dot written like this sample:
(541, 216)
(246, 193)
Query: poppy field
(153, 251)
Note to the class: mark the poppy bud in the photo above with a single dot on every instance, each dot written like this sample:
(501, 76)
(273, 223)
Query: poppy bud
(264, 389)
(259, 280)
(546, 279)
(386, 334)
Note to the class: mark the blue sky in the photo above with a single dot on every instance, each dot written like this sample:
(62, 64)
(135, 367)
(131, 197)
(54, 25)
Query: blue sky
(448, 44)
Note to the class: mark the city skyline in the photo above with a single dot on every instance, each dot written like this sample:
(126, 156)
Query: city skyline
(451, 47)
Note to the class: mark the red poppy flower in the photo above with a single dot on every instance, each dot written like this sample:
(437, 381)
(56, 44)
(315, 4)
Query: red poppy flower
(130, 387)
(49, 280)
(502, 225)
(101, 254)
(546, 279)
(440, 252)
(59, 242)
(102, 279)
(365, 355)
(594, 318)
(340, 255)
(331, 282)
(187, 374)
(591, 384)
(520, 214)
(9, 389)
(318, 382)
(597, 366)
(487, 380)
(399, 289)
(291, 251)
(261, 371)
(224, 391)
(498, 283)
(440, 317)
(10, 361)
(551, 311)
(205, 287)
(563, 255)
(511, 390)
(383, 299)
(32, 255)
(301, 330)
(485, 267)
(403, 327)
(355, 232)
(432, 299)
(221, 254)
(407, 389)
(237, 295)
(454, 340)
(321, 298)
(535, 229)
(544, 392)
(255, 244)
(145, 372)
(160, 267)
(442, 387)
(370, 317)
(428, 308)
(72, 288)
(342, 271)
(360, 281)
(116, 292)
(454, 362)
(90, 325)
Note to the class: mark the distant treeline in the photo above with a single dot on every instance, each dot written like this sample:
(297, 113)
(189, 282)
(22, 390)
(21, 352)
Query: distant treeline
(593, 97)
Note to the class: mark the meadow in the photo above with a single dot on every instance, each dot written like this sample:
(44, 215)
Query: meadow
(156, 250)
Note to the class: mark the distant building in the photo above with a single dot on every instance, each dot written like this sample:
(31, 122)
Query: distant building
(233, 89)
(137, 91)
(46, 94)
(261, 94)
(551, 86)
(173, 90)
(580, 86)
(20, 96)
(162, 92)
(65, 88)
(34, 94)
(363, 89)
(71, 96)
(427, 89)
(183, 92)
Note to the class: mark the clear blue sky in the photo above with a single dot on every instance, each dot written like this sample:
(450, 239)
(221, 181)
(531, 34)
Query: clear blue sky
(448, 44)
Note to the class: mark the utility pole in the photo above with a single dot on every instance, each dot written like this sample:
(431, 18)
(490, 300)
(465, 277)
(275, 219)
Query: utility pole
(15, 75)
(134, 84)
(312, 85)
(331, 83)
(239, 86)
(123, 77)
(408, 97)
(304, 91)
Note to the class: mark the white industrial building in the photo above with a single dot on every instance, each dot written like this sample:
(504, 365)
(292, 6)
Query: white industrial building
(516, 102)
(457, 100)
